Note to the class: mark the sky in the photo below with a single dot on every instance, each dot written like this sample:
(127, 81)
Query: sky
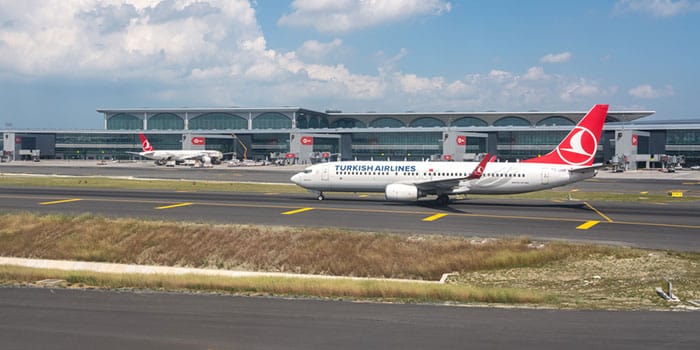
(60, 60)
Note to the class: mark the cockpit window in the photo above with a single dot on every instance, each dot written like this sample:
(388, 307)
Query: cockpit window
(308, 171)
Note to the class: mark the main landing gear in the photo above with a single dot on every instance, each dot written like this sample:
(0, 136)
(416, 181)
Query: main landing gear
(442, 200)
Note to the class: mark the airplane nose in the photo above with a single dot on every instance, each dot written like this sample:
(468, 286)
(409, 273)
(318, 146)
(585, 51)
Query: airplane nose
(296, 178)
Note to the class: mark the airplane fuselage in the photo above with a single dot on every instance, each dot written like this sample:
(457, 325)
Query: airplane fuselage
(178, 155)
(498, 178)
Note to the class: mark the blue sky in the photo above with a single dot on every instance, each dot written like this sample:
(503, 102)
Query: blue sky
(62, 60)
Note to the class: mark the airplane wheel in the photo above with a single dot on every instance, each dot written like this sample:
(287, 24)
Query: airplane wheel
(321, 197)
(442, 200)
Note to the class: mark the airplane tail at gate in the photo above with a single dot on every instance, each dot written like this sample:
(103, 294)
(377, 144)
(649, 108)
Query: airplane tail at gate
(579, 146)
(145, 145)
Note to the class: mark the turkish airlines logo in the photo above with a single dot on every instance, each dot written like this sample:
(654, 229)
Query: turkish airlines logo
(197, 140)
(635, 139)
(461, 140)
(479, 170)
(307, 140)
(146, 145)
(581, 147)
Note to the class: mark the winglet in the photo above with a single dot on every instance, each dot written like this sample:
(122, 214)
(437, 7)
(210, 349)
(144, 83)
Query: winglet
(580, 145)
(479, 170)
(145, 145)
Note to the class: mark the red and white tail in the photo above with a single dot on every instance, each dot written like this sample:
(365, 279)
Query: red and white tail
(145, 145)
(479, 170)
(580, 145)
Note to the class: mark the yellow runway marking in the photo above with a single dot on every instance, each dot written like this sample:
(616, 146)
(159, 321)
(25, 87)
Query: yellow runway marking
(588, 224)
(363, 195)
(271, 193)
(435, 217)
(598, 212)
(376, 211)
(175, 205)
(292, 212)
(61, 201)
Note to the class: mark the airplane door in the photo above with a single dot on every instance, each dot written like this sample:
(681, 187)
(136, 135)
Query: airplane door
(324, 173)
(545, 176)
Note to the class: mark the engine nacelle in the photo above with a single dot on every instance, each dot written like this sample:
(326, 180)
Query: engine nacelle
(206, 159)
(401, 193)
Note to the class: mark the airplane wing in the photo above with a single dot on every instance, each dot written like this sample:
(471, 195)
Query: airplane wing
(449, 184)
(585, 169)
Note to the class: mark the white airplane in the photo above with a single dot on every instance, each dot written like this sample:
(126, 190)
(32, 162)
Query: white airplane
(570, 162)
(163, 156)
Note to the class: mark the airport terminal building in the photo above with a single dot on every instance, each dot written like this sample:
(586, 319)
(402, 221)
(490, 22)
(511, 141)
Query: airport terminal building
(303, 135)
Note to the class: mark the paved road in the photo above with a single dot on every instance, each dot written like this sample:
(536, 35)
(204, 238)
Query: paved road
(72, 319)
(664, 226)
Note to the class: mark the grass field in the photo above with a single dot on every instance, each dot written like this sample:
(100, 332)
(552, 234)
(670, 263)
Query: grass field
(557, 274)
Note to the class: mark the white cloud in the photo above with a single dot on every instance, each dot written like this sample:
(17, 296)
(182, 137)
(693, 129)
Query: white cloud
(213, 53)
(414, 84)
(535, 73)
(315, 50)
(646, 91)
(347, 15)
(556, 58)
(164, 39)
(656, 8)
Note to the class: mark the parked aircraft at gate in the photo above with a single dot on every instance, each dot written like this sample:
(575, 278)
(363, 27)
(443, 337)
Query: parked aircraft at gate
(569, 162)
(163, 156)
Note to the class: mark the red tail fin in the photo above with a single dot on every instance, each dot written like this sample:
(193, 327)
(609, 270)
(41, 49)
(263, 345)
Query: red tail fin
(145, 145)
(580, 145)
(479, 170)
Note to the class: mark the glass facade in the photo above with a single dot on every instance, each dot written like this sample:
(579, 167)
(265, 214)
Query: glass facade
(386, 123)
(554, 121)
(512, 121)
(685, 142)
(683, 137)
(124, 121)
(264, 144)
(426, 122)
(218, 121)
(273, 120)
(348, 123)
(469, 121)
(165, 121)
(518, 145)
(411, 146)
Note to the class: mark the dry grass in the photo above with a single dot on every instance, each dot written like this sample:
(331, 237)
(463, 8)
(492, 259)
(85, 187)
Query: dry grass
(375, 290)
(504, 271)
(269, 248)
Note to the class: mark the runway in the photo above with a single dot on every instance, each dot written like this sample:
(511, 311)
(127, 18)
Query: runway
(70, 319)
(74, 319)
(650, 225)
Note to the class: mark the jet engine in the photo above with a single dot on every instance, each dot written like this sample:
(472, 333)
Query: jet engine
(206, 160)
(402, 193)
